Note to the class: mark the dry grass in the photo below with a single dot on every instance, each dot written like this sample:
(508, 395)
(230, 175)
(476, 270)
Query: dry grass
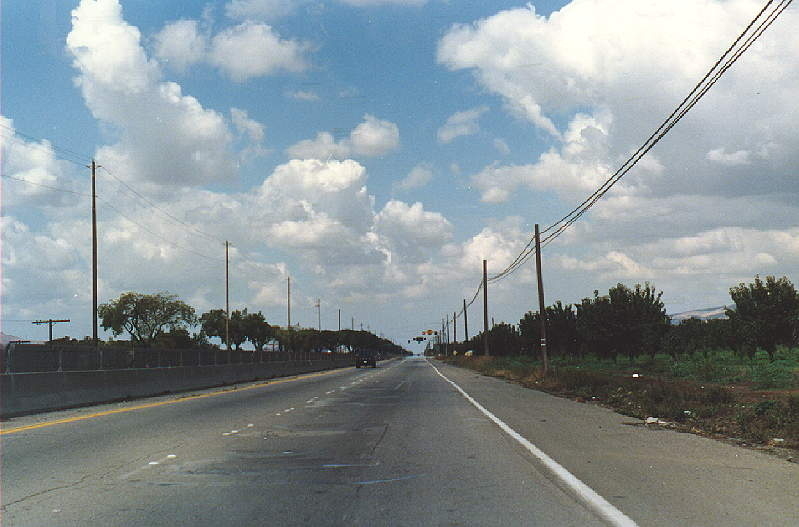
(737, 412)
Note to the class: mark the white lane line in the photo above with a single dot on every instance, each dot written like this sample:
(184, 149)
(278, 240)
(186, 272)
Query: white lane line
(374, 481)
(599, 505)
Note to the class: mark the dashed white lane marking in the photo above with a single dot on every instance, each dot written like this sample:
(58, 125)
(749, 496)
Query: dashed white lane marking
(145, 467)
(590, 498)
(250, 425)
(328, 393)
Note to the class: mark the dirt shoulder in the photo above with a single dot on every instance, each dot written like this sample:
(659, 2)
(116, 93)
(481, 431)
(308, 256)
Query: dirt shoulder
(763, 419)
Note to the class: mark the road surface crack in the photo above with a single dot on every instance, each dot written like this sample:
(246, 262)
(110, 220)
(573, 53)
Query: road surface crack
(45, 491)
(379, 440)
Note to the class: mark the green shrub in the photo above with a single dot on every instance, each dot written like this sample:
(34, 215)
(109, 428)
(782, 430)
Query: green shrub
(777, 374)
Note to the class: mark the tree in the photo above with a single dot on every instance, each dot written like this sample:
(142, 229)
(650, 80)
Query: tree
(766, 314)
(256, 330)
(237, 328)
(145, 317)
(213, 323)
(561, 330)
(629, 321)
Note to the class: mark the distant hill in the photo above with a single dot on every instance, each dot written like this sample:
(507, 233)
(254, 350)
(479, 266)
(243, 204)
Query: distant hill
(710, 313)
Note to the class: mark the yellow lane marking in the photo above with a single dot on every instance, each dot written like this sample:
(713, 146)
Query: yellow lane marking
(162, 403)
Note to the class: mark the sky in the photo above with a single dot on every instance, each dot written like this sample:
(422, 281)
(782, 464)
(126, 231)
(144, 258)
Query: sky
(376, 151)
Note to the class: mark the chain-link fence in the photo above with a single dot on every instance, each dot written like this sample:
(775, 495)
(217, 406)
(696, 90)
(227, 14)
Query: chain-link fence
(20, 358)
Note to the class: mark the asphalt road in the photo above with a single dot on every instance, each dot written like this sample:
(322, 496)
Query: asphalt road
(395, 445)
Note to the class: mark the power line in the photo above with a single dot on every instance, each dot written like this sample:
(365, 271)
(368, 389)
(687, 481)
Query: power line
(692, 99)
(57, 189)
(170, 242)
(67, 154)
(727, 59)
(155, 207)
(699, 90)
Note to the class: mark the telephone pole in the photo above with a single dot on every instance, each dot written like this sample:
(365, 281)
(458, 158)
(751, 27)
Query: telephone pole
(319, 313)
(542, 313)
(353, 324)
(465, 322)
(339, 319)
(50, 323)
(227, 299)
(94, 166)
(485, 307)
(288, 300)
(454, 329)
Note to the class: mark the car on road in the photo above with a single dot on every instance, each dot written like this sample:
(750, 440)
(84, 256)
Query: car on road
(365, 360)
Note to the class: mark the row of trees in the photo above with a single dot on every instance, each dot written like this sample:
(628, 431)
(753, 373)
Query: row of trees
(162, 319)
(633, 321)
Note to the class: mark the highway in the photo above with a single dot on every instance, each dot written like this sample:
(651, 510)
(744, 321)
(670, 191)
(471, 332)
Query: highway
(400, 444)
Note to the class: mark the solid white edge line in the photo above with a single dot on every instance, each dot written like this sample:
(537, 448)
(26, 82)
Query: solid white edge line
(590, 498)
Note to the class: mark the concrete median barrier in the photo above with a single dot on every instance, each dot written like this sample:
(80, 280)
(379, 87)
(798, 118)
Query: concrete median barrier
(26, 393)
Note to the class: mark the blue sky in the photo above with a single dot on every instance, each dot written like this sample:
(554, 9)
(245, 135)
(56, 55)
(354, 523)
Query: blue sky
(453, 127)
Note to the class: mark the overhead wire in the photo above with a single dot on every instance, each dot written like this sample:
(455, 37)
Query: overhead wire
(50, 187)
(152, 205)
(170, 242)
(66, 154)
(692, 99)
(746, 38)
(699, 90)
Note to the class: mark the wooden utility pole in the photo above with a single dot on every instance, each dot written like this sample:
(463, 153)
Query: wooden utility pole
(485, 308)
(352, 327)
(288, 301)
(50, 323)
(227, 298)
(319, 313)
(542, 313)
(443, 339)
(454, 328)
(339, 319)
(94, 253)
(448, 341)
(465, 322)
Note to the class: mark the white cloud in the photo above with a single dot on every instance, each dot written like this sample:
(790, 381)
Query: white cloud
(719, 155)
(251, 133)
(418, 177)
(303, 95)
(501, 146)
(460, 124)
(374, 137)
(371, 138)
(370, 3)
(180, 44)
(632, 62)
(411, 230)
(261, 10)
(322, 146)
(253, 50)
(251, 128)
(574, 170)
(37, 165)
(164, 135)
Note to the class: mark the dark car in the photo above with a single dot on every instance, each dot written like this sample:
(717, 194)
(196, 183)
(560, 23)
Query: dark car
(365, 360)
